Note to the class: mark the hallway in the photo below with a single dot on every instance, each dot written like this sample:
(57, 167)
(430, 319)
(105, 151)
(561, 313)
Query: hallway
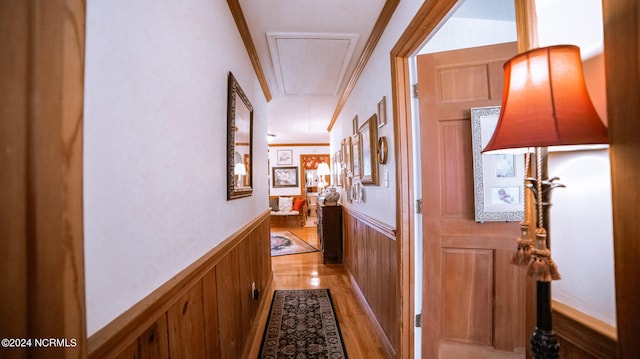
(306, 271)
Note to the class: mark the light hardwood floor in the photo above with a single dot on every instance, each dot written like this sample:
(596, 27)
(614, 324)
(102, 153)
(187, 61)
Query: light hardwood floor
(306, 271)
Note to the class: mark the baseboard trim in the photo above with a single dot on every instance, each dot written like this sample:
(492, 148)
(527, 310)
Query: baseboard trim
(378, 328)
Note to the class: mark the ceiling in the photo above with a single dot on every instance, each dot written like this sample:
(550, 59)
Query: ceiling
(308, 50)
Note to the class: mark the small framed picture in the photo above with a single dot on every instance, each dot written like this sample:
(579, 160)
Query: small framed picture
(355, 124)
(355, 156)
(382, 112)
(285, 157)
(337, 168)
(347, 157)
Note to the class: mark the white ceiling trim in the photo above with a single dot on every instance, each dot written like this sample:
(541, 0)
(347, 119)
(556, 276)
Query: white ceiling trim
(310, 63)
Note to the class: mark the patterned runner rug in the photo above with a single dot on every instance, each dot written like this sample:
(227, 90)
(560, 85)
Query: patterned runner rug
(283, 243)
(302, 325)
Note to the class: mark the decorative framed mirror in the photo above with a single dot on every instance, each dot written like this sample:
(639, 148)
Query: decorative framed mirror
(239, 142)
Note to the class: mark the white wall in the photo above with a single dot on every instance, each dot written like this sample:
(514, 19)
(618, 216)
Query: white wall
(577, 22)
(460, 33)
(582, 233)
(155, 144)
(374, 83)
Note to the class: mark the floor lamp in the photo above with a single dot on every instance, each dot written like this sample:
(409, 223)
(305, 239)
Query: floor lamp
(544, 104)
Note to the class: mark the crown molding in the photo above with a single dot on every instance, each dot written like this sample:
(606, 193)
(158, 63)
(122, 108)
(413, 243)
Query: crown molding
(383, 19)
(243, 29)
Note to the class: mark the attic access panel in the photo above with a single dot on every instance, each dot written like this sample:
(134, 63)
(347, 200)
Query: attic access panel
(310, 63)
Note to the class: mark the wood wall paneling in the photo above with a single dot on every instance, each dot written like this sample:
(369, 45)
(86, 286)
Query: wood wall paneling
(186, 325)
(569, 350)
(154, 342)
(370, 258)
(262, 247)
(206, 312)
(230, 324)
(130, 352)
(582, 336)
(247, 265)
(254, 261)
(210, 307)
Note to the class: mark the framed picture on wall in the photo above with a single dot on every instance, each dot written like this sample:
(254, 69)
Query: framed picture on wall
(382, 112)
(355, 124)
(498, 179)
(284, 157)
(337, 168)
(346, 155)
(284, 177)
(355, 155)
(369, 151)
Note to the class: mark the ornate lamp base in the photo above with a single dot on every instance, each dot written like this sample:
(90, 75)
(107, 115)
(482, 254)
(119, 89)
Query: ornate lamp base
(544, 344)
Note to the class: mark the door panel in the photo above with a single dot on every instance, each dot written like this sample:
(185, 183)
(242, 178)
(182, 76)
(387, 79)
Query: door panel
(473, 299)
(462, 84)
(468, 294)
(457, 176)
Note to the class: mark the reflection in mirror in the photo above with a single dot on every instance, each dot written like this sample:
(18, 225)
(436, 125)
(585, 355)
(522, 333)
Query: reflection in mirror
(312, 180)
(239, 141)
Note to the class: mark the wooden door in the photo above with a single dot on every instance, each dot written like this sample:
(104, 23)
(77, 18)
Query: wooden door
(473, 298)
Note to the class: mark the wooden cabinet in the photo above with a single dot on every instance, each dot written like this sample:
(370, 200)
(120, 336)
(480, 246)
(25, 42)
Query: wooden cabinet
(330, 233)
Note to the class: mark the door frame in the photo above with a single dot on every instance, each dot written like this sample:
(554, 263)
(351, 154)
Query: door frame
(425, 21)
(622, 49)
(42, 214)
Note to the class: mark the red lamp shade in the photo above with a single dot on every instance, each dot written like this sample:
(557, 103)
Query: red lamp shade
(545, 102)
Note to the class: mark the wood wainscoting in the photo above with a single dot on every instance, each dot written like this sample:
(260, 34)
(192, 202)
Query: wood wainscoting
(581, 336)
(370, 259)
(205, 311)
